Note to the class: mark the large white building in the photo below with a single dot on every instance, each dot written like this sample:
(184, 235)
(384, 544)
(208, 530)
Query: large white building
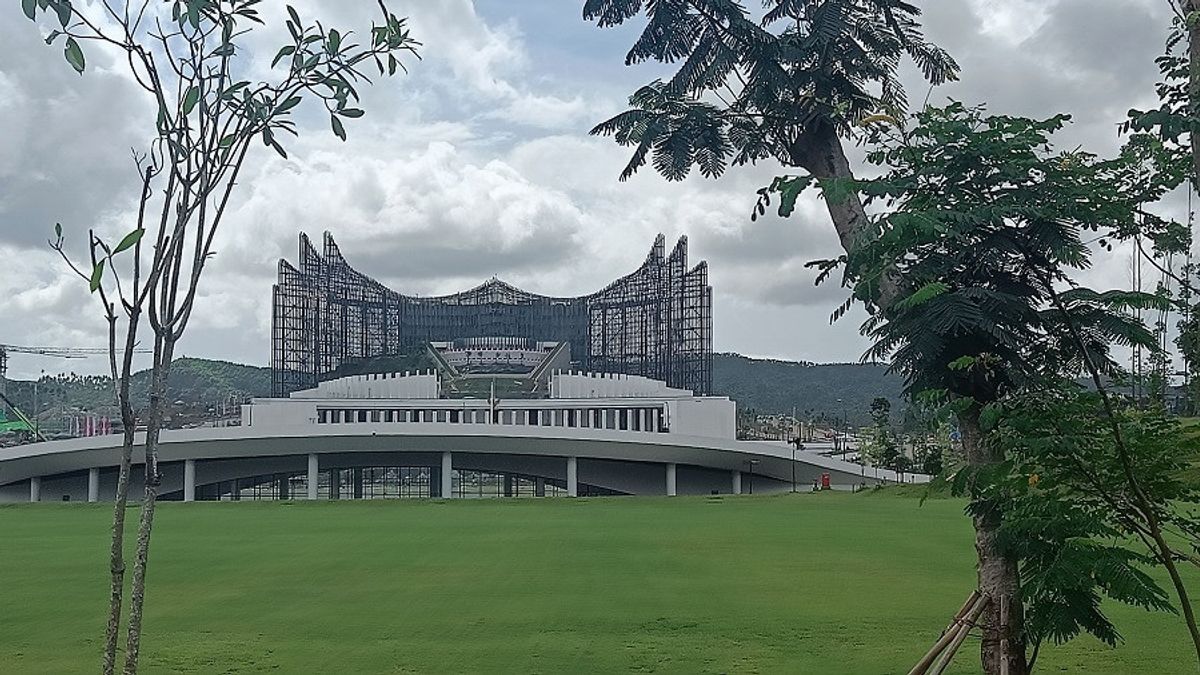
(417, 435)
(573, 401)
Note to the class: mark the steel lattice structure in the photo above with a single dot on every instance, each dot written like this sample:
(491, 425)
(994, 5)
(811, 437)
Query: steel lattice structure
(656, 321)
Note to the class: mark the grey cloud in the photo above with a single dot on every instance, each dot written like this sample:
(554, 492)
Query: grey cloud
(439, 188)
(65, 150)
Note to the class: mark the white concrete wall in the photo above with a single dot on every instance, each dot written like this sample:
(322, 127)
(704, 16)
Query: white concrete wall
(610, 385)
(381, 385)
(710, 417)
(266, 412)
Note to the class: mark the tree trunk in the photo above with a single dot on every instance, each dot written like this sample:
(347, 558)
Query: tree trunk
(999, 576)
(116, 556)
(820, 152)
(137, 588)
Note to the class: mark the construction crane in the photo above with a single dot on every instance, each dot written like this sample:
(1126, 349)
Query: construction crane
(53, 352)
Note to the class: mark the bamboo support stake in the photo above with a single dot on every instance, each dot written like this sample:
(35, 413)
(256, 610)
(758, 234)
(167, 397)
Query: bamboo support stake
(947, 635)
(968, 623)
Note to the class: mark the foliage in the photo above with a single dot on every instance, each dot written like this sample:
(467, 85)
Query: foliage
(748, 90)
(188, 56)
(981, 226)
(984, 219)
(1164, 138)
(1071, 516)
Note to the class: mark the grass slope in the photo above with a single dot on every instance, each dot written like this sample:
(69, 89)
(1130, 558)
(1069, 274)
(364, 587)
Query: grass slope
(829, 583)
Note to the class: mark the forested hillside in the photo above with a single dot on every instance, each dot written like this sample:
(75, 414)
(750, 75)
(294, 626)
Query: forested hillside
(193, 381)
(765, 385)
(772, 386)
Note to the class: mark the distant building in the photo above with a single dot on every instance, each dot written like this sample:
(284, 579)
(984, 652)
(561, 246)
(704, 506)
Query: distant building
(655, 322)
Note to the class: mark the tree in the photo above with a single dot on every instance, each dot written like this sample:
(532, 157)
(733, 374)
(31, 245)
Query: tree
(788, 87)
(984, 224)
(1073, 519)
(880, 448)
(191, 61)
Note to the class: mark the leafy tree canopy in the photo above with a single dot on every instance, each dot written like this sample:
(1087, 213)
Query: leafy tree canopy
(749, 89)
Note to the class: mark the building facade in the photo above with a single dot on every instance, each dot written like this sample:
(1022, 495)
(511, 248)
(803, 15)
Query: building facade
(655, 322)
(601, 401)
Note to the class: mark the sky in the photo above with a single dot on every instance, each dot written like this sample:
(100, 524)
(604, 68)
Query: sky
(478, 163)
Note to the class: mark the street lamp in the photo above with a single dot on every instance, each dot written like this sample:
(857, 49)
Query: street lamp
(845, 430)
(36, 421)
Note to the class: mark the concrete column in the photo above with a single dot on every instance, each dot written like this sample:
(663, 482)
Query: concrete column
(94, 484)
(447, 475)
(508, 485)
(189, 480)
(737, 482)
(642, 425)
(335, 484)
(313, 472)
(35, 489)
(539, 487)
(358, 488)
(284, 488)
(572, 477)
(670, 480)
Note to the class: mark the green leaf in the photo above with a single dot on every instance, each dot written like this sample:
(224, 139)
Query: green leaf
(129, 240)
(279, 149)
(923, 294)
(962, 363)
(335, 41)
(295, 17)
(30, 8)
(227, 141)
(52, 36)
(351, 112)
(838, 190)
(288, 104)
(63, 8)
(282, 53)
(190, 99)
(97, 274)
(338, 129)
(58, 230)
(74, 55)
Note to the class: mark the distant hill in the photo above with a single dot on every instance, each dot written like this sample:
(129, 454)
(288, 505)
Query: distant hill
(766, 385)
(772, 386)
(195, 382)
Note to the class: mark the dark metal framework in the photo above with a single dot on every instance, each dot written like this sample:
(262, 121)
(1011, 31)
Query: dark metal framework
(656, 321)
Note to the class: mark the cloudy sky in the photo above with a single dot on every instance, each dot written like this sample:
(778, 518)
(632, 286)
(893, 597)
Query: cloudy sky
(478, 164)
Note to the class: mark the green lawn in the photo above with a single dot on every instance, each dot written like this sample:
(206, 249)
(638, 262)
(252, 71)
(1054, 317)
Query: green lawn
(829, 583)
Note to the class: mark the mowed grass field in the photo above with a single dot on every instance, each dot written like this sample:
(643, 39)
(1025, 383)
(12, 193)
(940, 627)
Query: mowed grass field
(824, 583)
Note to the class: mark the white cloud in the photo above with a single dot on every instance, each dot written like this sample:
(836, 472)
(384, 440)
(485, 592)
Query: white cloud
(478, 163)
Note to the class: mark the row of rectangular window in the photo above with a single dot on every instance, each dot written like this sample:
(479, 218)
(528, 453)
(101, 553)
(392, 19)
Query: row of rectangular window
(624, 419)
